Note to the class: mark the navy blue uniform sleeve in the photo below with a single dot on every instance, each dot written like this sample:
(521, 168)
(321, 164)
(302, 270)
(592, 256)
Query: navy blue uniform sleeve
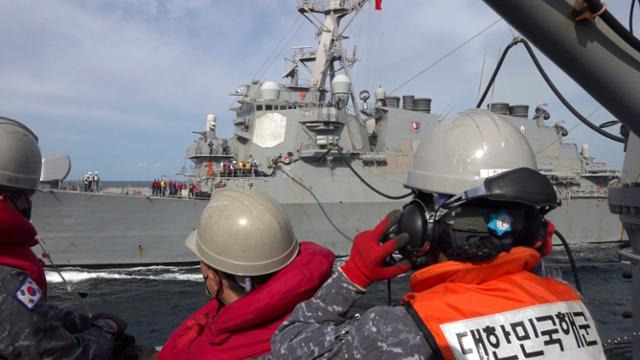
(317, 329)
(35, 331)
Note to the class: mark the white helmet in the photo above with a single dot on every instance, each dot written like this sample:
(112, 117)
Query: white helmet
(20, 157)
(462, 151)
(244, 233)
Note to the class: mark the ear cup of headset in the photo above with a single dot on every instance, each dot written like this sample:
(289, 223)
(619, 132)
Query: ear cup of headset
(414, 222)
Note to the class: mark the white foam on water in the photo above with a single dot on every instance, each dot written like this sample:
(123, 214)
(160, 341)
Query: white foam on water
(78, 275)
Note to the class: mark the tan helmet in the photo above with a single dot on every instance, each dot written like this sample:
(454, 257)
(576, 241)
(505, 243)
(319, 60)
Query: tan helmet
(20, 157)
(244, 233)
(462, 151)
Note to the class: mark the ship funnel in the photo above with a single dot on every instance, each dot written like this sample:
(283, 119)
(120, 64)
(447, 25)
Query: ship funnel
(501, 108)
(211, 122)
(341, 86)
(270, 90)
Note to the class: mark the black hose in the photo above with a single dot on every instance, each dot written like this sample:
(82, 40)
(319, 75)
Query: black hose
(392, 197)
(564, 101)
(572, 261)
(633, 4)
(595, 6)
(495, 71)
(553, 88)
(620, 30)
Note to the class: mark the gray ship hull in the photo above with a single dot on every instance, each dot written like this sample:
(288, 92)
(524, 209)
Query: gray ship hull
(86, 229)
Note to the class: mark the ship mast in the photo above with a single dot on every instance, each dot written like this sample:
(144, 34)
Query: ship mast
(330, 36)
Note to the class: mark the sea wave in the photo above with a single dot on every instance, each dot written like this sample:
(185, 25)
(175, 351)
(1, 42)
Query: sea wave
(74, 275)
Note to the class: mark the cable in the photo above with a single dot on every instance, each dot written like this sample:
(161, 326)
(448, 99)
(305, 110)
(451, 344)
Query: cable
(445, 56)
(553, 88)
(324, 212)
(80, 295)
(268, 59)
(392, 197)
(572, 261)
(633, 4)
(598, 8)
(496, 70)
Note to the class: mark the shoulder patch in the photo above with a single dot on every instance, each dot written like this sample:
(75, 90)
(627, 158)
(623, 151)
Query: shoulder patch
(28, 293)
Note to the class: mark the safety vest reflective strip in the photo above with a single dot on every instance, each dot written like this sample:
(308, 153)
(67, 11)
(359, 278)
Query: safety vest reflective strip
(515, 316)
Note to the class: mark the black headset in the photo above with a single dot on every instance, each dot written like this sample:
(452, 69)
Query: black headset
(457, 226)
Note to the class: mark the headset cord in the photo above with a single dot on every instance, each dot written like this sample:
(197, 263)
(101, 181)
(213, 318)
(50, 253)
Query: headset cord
(572, 261)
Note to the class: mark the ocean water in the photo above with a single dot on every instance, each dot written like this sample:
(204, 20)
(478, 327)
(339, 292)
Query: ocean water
(154, 300)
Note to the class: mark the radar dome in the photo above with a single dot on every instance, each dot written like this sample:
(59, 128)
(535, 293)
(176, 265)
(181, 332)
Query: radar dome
(269, 90)
(341, 84)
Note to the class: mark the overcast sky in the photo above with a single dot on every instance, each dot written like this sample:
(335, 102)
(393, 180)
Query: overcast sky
(120, 85)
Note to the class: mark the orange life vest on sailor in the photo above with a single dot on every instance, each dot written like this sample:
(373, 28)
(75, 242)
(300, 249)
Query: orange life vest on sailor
(499, 309)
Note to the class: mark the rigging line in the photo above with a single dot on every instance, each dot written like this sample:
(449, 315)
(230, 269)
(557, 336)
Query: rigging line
(303, 211)
(569, 131)
(322, 209)
(80, 296)
(446, 55)
(275, 49)
(280, 53)
(484, 60)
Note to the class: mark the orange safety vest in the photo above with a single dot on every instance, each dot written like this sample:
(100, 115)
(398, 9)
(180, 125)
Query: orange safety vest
(501, 310)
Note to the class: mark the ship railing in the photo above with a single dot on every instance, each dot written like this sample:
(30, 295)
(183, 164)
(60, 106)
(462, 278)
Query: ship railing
(215, 152)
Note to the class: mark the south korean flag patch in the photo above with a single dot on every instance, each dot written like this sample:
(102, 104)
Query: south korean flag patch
(28, 293)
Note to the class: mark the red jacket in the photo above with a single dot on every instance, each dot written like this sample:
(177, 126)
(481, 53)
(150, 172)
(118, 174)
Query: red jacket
(500, 309)
(17, 236)
(243, 329)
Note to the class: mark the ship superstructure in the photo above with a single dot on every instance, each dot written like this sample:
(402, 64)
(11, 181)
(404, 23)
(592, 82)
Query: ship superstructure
(336, 159)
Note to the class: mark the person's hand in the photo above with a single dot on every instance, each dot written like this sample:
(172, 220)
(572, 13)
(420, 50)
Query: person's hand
(117, 324)
(366, 264)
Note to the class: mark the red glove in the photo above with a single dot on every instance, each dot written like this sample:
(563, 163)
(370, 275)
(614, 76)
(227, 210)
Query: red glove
(366, 264)
(545, 247)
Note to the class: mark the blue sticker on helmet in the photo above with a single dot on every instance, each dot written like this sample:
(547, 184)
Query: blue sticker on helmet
(499, 222)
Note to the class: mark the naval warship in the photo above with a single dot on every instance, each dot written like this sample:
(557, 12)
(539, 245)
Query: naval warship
(335, 159)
